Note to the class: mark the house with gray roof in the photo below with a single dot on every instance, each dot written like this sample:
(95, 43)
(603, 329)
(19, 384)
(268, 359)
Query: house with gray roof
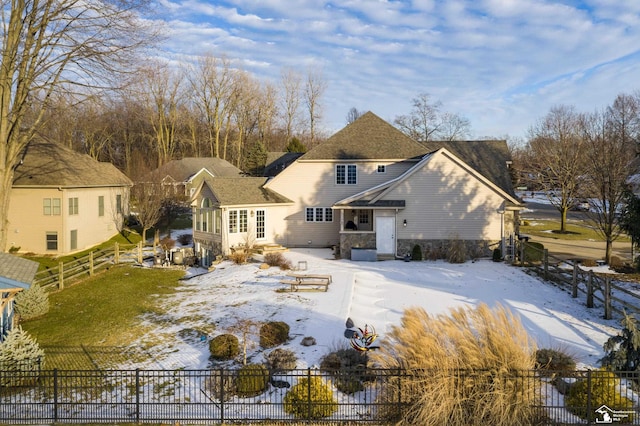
(370, 188)
(63, 202)
(16, 275)
(182, 177)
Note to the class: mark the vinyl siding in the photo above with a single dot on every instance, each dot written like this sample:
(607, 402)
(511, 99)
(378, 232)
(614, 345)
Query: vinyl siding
(313, 184)
(444, 202)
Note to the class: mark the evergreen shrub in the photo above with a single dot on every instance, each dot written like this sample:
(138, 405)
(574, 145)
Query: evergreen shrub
(224, 347)
(416, 252)
(280, 360)
(19, 352)
(32, 302)
(604, 390)
(311, 399)
(252, 380)
(273, 333)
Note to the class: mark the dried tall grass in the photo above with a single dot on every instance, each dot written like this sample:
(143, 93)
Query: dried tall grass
(465, 368)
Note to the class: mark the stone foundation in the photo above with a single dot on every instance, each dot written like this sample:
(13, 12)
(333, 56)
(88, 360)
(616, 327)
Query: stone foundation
(356, 239)
(439, 249)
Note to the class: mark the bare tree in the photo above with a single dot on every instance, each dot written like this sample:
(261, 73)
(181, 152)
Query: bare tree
(147, 199)
(291, 84)
(556, 158)
(453, 127)
(353, 115)
(422, 123)
(49, 46)
(314, 88)
(610, 141)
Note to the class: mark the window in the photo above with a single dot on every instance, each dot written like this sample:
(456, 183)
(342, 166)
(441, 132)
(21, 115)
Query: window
(51, 206)
(238, 220)
(52, 241)
(73, 240)
(119, 203)
(363, 216)
(318, 214)
(382, 168)
(101, 205)
(73, 206)
(260, 224)
(346, 174)
(217, 220)
(233, 221)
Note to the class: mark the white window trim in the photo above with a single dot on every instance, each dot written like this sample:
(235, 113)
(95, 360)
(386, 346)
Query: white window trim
(313, 211)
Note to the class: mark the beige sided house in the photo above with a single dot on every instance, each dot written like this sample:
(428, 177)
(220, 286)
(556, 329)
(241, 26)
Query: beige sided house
(182, 177)
(63, 201)
(236, 212)
(371, 188)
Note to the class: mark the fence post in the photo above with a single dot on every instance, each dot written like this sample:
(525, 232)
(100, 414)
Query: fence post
(60, 275)
(590, 290)
(308, 393)
(589, 403)
(55, 395)
(116, 254)
(546, 264)
(140, 252)
(522, 244)
(607, 297)
(90, 263)
(222, 395)
(574, 282)
(138, 395)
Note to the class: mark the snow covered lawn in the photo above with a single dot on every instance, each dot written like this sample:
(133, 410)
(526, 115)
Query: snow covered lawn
(373, 293)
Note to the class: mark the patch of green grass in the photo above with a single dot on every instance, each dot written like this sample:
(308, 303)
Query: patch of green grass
(103, 310)
(125, 239)
(574, 230)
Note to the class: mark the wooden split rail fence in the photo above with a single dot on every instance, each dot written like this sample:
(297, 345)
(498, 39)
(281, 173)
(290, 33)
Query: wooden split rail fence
(598, 289)
(86, 266)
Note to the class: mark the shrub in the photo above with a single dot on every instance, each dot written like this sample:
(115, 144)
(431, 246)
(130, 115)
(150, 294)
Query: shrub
(32, 302)
(185, 239)
(19, 352)
(224, 347)
(221, 384)
(273, 333)
(14, 249)
(456, 251)
(348, 368)
(252, 380)
(589, 263)
(167, 243)
(497, 255)
(622, 352)
(281, 360)
(277, 259)
(416, 252)
(239, 257)
(490, 347)
(533, 252)
(310, 398)
(554, 360)
(605, 390)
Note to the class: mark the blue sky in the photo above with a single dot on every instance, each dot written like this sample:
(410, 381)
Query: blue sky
(501, 63)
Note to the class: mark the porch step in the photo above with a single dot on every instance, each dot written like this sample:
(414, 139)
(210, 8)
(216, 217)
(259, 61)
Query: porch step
(270, 248)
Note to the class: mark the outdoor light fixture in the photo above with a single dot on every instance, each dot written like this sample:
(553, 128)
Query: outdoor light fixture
(404, 222)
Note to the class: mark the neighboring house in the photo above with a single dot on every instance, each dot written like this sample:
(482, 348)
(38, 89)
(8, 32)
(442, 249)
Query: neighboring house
(182, 177)
(63, 201)
(236, 212)
(16, 274)
(369, 186)
(278, 161)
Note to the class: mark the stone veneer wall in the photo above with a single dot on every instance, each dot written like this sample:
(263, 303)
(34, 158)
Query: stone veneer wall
(214, 247)
(356, 239)
(437, 249)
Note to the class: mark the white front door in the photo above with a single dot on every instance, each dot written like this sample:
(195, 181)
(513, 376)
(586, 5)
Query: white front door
(385, 235)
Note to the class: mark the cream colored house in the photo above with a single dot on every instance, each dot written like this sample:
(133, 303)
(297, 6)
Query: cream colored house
(63, 201)
(372, 188)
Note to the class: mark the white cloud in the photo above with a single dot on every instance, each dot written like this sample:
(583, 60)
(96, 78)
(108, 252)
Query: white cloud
(501, 63)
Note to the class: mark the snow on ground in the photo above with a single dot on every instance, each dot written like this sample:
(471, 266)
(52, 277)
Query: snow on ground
(373, 293)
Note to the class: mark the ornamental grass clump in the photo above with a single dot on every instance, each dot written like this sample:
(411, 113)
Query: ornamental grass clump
(469, 367)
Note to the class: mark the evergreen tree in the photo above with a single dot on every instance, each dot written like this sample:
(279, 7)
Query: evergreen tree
(256, 159)
(20, 352)
(623, 351)
(629, 220)
(32, 303)
(296, 146)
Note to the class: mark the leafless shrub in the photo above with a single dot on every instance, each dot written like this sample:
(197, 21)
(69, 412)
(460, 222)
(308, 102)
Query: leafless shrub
(239, 257)
(277, 259)
(456, 250)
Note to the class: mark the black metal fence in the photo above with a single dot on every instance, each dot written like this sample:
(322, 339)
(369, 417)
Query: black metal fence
(370, 396)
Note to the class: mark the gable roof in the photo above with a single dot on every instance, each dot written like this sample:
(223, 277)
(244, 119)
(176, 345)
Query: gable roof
(487, 157)
(278, 161)
(242, 191)
(367, 138)
(49, 164)
(182, 170)
(373, 196)
(16, 272)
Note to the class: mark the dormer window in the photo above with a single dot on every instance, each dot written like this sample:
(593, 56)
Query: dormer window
(382, 168)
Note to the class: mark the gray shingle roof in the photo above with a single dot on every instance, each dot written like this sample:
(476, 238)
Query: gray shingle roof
(243, 190)
(48, 164)
(367, 138)
(16, 271)
(182, 170)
